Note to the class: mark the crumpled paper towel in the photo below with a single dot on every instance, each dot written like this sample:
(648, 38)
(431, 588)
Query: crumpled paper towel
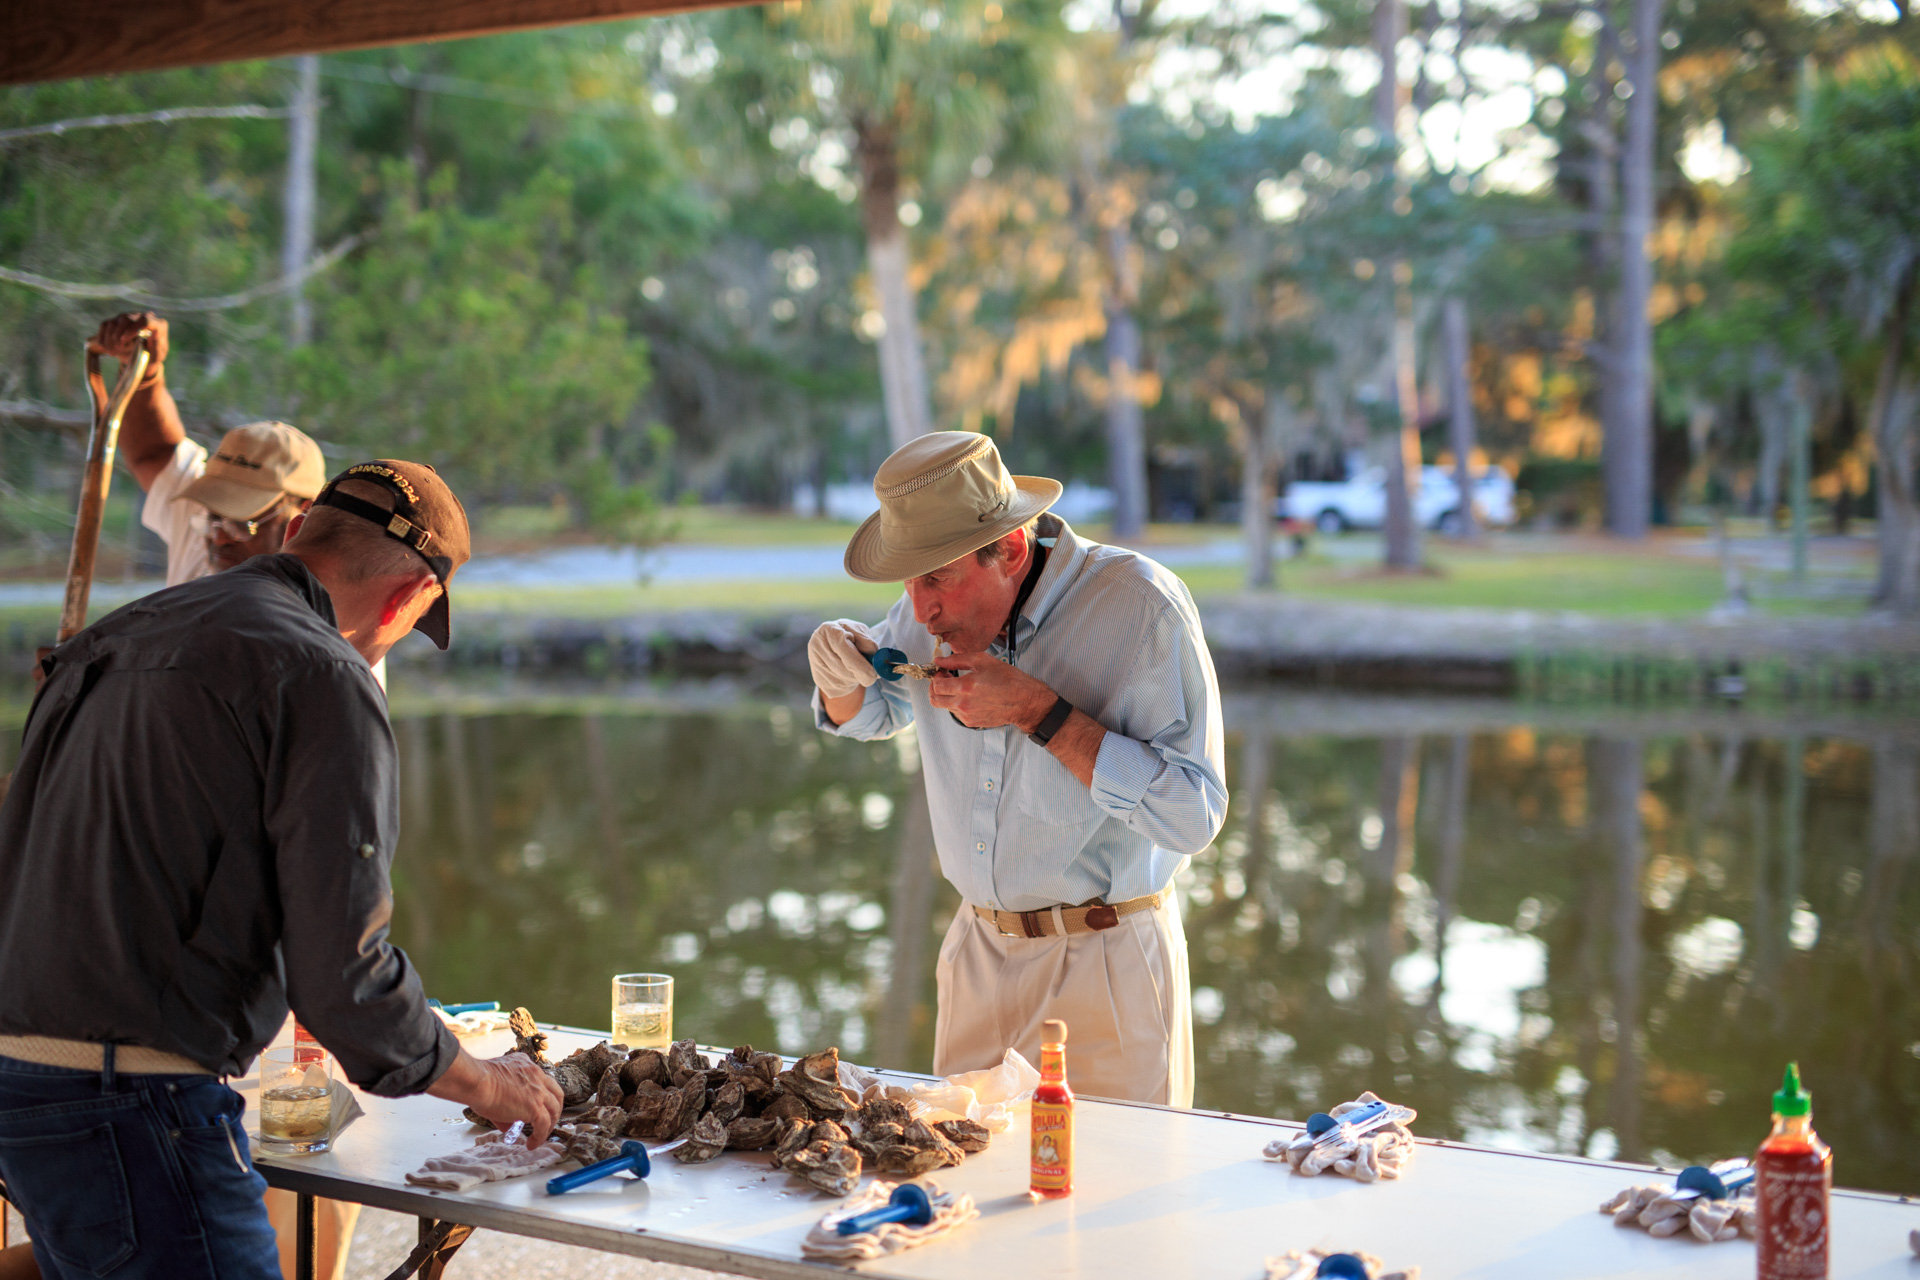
(984, 1097)
(489, 1159)
(825, 1241)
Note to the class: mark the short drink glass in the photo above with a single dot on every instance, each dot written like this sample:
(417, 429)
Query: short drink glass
(296, 1099)
(643, 1010)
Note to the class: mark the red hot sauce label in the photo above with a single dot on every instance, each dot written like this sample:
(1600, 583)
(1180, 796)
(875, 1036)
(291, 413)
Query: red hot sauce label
(1052, 1147)
(1793, 1224)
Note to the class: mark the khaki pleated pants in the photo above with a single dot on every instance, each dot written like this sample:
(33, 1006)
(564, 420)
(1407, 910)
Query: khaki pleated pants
(1123, 992)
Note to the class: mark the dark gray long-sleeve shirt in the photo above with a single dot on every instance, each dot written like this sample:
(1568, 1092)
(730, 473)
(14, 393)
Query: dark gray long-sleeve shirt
(198, 835)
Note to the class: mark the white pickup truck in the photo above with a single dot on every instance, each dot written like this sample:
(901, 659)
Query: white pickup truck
(1360, 502)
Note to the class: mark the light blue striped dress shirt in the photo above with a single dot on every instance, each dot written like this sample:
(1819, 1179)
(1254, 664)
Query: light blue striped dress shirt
(1118, 636)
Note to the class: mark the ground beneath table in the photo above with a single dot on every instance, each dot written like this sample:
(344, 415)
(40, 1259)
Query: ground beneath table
(383, 1240)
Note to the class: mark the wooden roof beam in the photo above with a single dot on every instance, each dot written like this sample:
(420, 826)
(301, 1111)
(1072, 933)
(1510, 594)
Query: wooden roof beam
(63, 39)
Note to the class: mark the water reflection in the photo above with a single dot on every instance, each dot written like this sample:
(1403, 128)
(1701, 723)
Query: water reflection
(1553, 930)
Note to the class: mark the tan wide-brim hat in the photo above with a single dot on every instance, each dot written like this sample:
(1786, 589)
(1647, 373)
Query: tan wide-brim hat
(942, 496)
(253, 467)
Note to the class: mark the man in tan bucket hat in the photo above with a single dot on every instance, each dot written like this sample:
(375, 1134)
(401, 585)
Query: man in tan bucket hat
(1071, 747)
(212, 512)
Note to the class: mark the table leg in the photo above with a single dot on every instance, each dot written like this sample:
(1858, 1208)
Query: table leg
(438, 1241)
(436, 1264)
(306, 1224)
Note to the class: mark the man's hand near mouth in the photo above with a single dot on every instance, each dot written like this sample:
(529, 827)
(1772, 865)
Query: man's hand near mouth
(986, 693)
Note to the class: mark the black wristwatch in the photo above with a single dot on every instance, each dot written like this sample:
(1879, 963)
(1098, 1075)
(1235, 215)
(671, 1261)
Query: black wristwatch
(1050, 725)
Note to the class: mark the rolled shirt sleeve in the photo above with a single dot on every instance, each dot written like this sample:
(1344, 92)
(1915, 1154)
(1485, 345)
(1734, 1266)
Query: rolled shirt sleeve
(332, 815)
(1165, 786)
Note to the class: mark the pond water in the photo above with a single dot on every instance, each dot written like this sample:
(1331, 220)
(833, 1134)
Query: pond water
(1595, 931)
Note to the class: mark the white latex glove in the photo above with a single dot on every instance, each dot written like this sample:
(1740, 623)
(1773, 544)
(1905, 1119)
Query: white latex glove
(838, 654)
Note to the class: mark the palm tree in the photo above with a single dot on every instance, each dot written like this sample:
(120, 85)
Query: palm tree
(914, 97)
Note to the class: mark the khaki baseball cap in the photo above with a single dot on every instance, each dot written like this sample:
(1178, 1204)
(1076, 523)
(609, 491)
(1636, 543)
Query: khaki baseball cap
(941, 496)
(419, 510)
(254, 467)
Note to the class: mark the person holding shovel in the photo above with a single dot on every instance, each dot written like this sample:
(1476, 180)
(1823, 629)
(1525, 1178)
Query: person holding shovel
(213, 512)
(199, 836)
(1071, 748)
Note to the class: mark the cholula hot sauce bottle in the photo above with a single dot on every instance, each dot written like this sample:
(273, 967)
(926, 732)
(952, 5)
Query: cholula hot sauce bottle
(1793, 1175)
(1053, 1117)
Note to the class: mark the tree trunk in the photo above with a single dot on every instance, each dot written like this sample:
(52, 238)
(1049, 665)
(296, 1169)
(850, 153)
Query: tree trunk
(1266, 446)
(903, 374)
(296, 239)
(1628, 455)
(1389, 95)
(1126, 423)
(1800, 468)
(1460, 415)
(1602, 262)
(1894, 405)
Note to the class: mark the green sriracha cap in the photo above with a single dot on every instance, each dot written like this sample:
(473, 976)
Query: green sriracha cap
(1792, 1100)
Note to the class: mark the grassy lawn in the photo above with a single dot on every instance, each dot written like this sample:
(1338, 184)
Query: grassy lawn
(1609, 582)
(1524, 572)
(800, 595)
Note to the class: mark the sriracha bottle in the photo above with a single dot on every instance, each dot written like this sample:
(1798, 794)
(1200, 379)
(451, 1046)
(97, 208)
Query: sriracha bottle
(1052, 1121)
(1793, 1175)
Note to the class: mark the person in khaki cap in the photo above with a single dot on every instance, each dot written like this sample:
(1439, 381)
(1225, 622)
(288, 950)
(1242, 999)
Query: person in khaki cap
(214, 765)
(212, 512)
(1072, 753)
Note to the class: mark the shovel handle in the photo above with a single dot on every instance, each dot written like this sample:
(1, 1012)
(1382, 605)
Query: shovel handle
(98, 476)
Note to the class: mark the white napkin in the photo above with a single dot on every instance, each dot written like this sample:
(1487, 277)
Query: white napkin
(825, 1240)
(346, 1108)
(488, 1160)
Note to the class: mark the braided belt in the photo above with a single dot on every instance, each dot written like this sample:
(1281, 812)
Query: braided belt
(82, 1055)
(1055, 921)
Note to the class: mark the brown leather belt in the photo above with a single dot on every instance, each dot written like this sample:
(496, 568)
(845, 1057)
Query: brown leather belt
(83, 1055)
(1054, 921)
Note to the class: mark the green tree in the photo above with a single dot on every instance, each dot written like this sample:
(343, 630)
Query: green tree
(913, 97)
(1832, 220)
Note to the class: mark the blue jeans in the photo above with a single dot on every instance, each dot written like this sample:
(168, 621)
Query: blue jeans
(132, 1176)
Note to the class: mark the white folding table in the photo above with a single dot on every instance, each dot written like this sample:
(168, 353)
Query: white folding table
(1159, 1192)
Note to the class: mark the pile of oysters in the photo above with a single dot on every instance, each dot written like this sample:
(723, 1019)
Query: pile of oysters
(816, 1128)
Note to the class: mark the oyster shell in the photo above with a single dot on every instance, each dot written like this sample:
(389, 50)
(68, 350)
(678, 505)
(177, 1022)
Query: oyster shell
(645, 1064)
(883, 1110)
(611, 1092)
(707, 1140)
(787, 1106)
(754, 1133)
(875, 1138)
(527, 1038)
(796, 1135)
(594, 1061)
(816, 1080)
(965, 1134)
(683, 1059)
(576, 1086)
(728, 1102)
(920, 1150)
(831, 1167)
